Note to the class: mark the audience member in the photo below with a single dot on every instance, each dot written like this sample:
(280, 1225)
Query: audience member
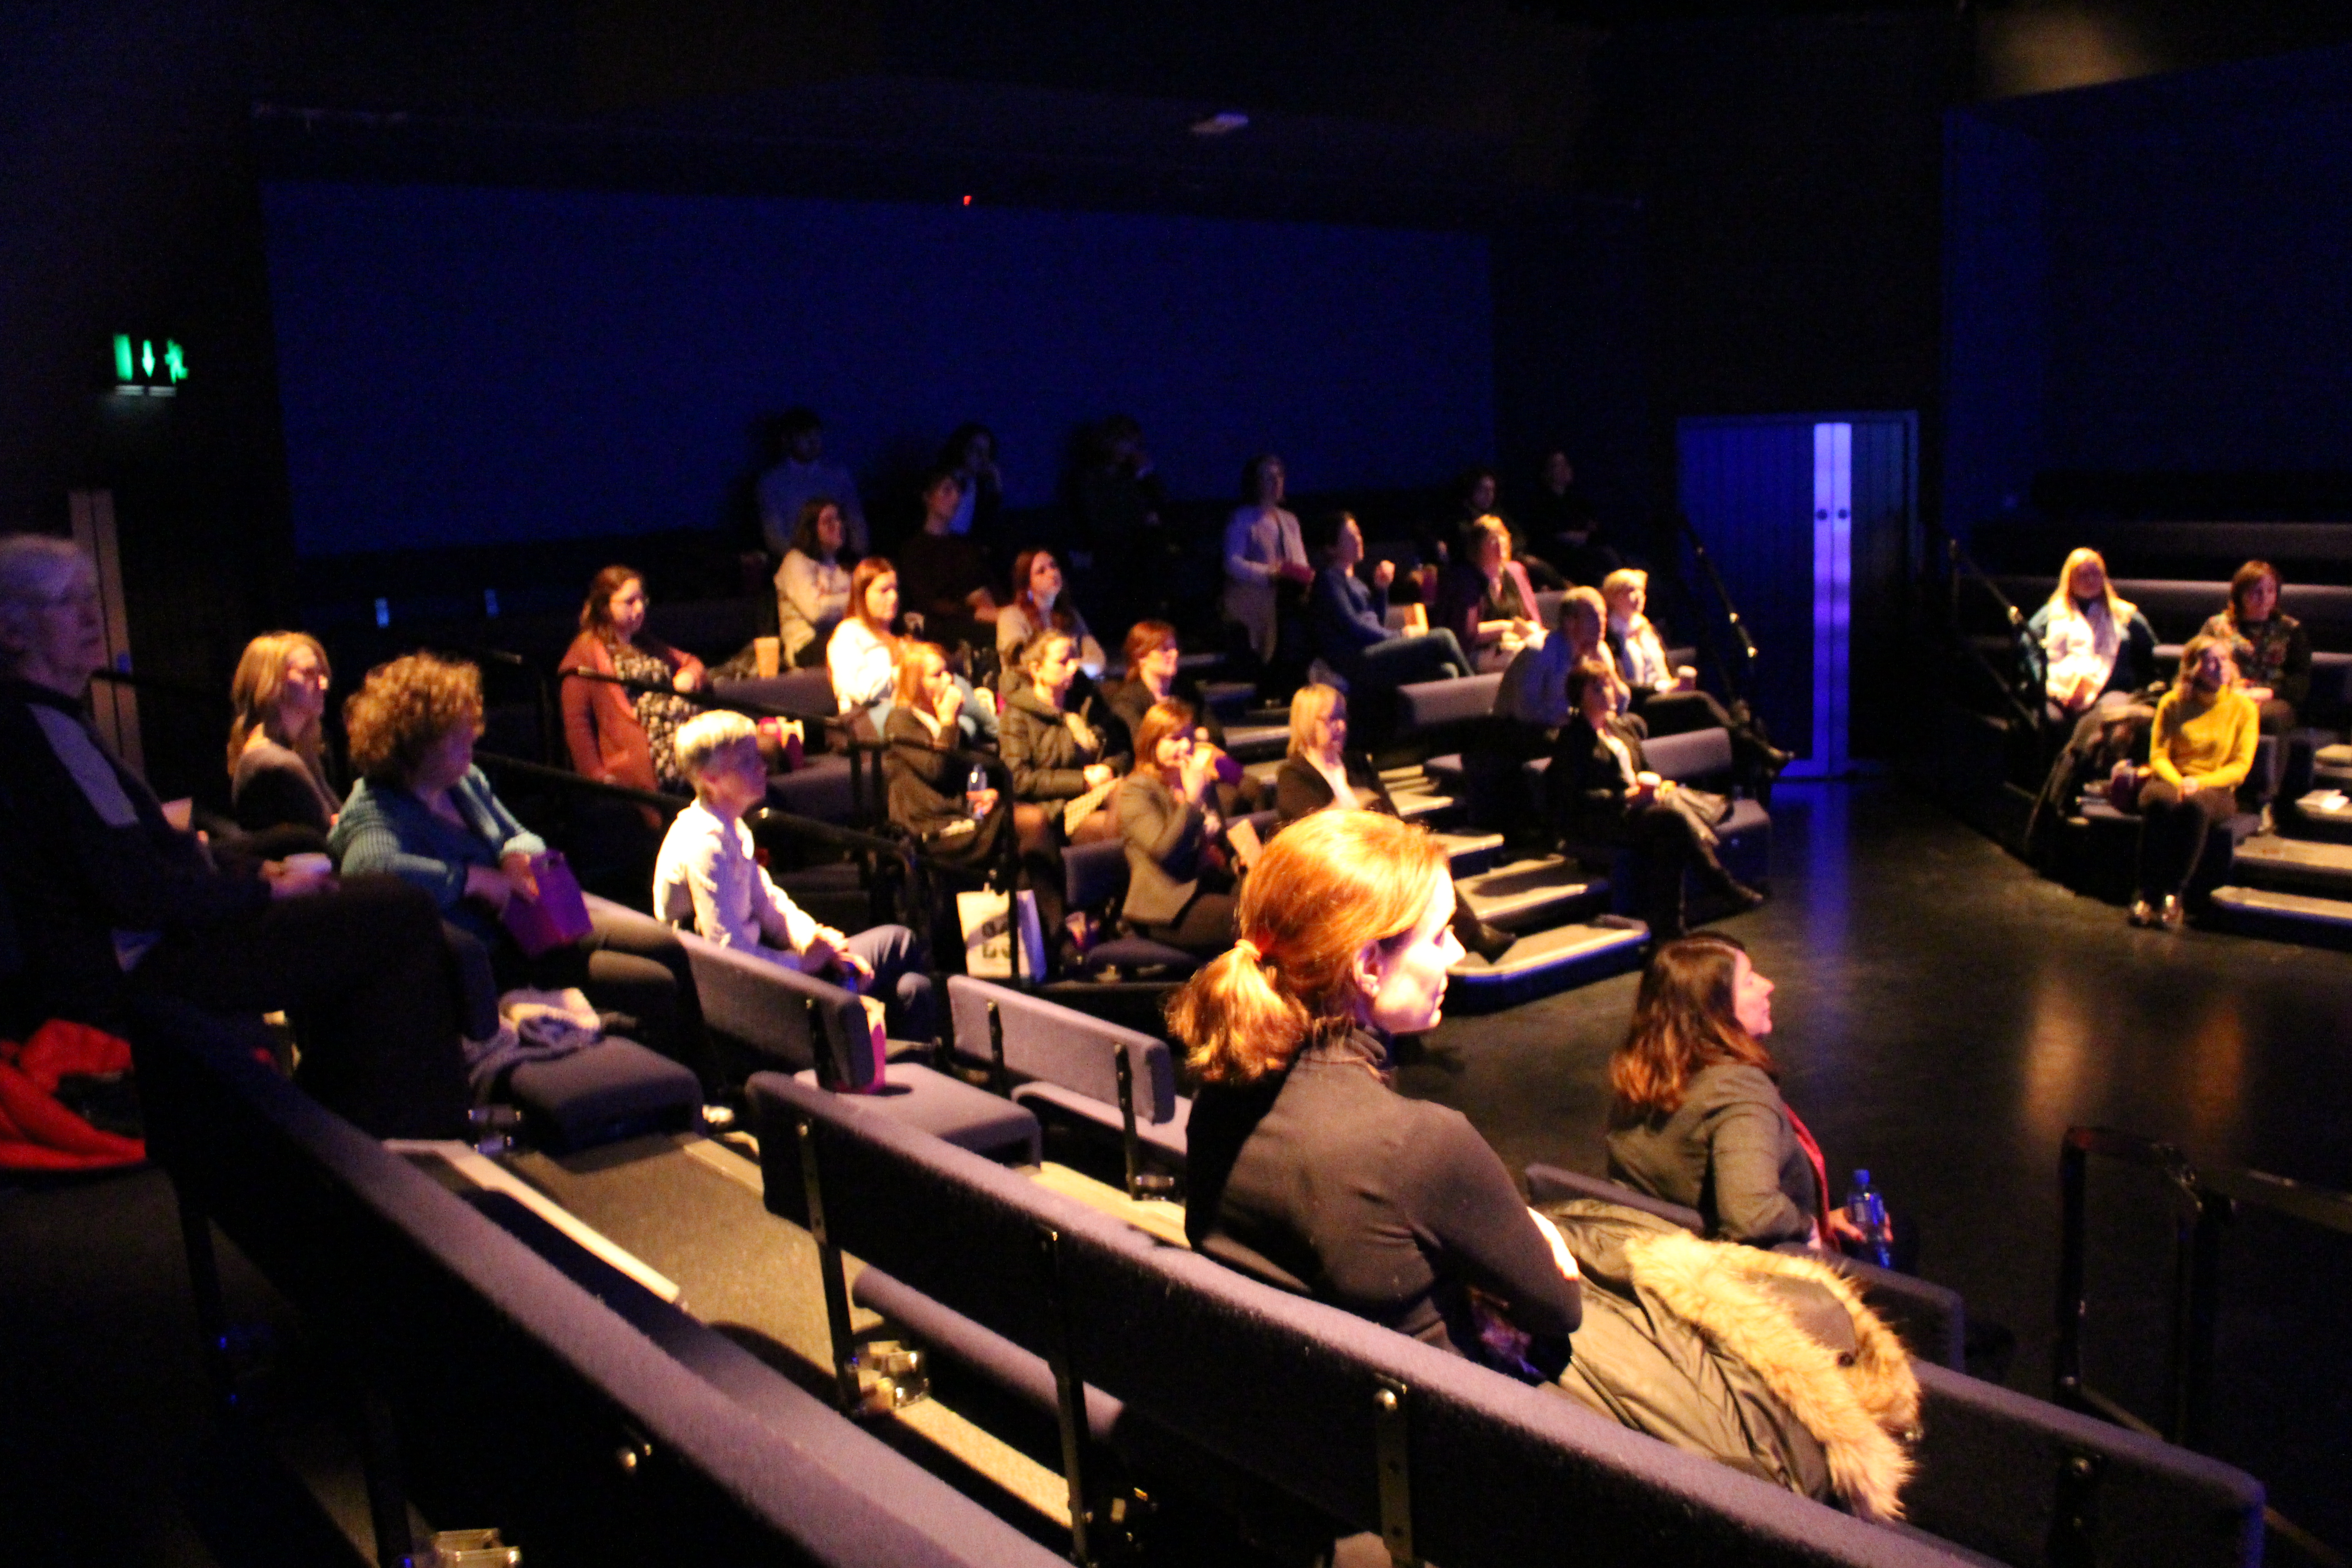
(1039, 603)
(1475, 495)
(1348, 620)
(1061, 742)
(2199, 752)
(863, 654)
(1307, 1169)
(1155, 661)
(971, 451)
(1486, 600)
(811, 585)
(110, 901)
(2088, 644)
(616, 735)
(1698, 1117)
(424, 812)
(1323, 773)
(1261, 549)
(1180, 887)
(801, 478)
(2271, 650)
(1562, 521)
(1117, 495)
(944, 576)
(928, 772)
(1667, 697)
(1600, 791)
(1533, 697)
(276, 758)
(709, 878)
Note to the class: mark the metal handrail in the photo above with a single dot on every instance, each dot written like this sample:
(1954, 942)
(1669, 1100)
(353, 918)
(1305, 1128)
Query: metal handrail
(1739, 678)
(2011, 684)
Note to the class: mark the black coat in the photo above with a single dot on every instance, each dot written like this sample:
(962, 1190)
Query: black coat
(1131, 700)
(1043, 757)
(1585, 792)
(1299, 791)
(926, 779)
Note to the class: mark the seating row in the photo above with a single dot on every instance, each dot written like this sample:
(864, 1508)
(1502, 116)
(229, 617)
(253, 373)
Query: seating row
(522, 1382)
(1148, 1344)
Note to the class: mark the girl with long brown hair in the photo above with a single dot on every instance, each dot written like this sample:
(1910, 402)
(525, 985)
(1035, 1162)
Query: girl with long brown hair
(276, 762)
(1698, 1118)
(618, 735)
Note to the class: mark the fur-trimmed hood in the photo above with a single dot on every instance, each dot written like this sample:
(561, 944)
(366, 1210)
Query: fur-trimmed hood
(1862, 1405)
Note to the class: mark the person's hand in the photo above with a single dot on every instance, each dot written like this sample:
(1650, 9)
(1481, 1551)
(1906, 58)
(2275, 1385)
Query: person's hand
(488, 885)
(949, 708)
(690, 678)
(822, 950)
(2187, 787)
(1384, 574)
(850, 962)
(295, 881)
(2258, 693)
(1560, 1255)
(1200, 768)
(1296, 571)
(1841, 1228)
(1098, 774)
(520, 874)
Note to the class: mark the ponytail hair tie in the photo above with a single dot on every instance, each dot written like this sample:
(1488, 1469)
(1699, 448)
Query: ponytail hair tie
(1248, 951)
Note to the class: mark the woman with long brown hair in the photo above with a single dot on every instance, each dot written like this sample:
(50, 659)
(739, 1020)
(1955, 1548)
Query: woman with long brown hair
(618, 735)
(863, 655)
(1040, 604)
(1307, 1169)
(276, 761)
(1698, 1118)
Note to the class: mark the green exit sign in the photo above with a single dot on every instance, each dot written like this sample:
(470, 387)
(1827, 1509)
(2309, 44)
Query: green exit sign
(148, 367)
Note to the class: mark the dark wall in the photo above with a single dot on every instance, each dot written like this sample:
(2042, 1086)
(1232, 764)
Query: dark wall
(2148, 279)
(1790, 171)
(479, 366)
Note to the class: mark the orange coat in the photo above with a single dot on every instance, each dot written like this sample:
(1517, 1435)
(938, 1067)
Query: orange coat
(600, 721)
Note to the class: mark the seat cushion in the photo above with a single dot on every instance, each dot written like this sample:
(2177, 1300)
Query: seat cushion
(820, 787)
(1137, 952)
(954, 1111)
(615, 1089)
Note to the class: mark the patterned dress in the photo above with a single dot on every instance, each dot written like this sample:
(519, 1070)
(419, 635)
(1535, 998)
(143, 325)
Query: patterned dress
(661, 712)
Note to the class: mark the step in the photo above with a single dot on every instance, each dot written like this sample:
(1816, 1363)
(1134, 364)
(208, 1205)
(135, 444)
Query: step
(1470, 851)
(2271, 861)
(1546, 963)
(1418, 806)
(1539, 891)
(2285, 911)
(2323, 814)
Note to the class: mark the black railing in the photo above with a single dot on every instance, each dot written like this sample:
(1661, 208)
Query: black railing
(2206, 1201)
(1738, 674)
(1960, 569)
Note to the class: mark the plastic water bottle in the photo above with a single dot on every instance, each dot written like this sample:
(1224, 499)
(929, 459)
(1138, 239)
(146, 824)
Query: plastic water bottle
(1866, 1211)
(975, 785)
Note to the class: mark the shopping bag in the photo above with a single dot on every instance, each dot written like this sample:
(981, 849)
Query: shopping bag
(558, 916)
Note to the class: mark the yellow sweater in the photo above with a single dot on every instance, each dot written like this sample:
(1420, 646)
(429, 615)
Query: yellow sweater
(2209, 742)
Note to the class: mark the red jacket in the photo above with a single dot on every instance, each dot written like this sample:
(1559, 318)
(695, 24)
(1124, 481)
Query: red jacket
(600, 721)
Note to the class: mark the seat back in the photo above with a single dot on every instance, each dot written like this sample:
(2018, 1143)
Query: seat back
(1691, 755)
(437, 1310)
(808, 692)
(1483, 1470)
(2019, 1478)
(1429, 705)
(1045, 1040)
(1094, 875)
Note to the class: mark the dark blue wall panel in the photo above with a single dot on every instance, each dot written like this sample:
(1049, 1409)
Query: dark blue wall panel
(475, 365)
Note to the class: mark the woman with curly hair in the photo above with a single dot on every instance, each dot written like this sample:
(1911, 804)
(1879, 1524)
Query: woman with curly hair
(424, 812)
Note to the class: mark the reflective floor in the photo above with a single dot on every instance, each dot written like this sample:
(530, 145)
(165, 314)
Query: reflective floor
(1943, 1014)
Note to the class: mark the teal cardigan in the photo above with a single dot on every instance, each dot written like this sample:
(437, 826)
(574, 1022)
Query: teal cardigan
(385, 828)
